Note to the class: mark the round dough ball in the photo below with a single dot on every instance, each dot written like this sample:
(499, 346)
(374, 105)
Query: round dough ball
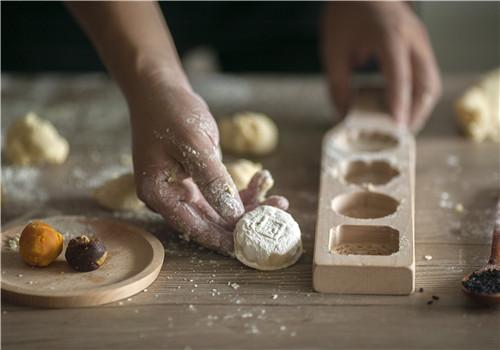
(248, 133)
(242, 171)
(267, 238)
(32, 140)
(119, 194)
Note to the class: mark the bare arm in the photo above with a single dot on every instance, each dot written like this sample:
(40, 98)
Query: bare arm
(131, 38)
(175, 139)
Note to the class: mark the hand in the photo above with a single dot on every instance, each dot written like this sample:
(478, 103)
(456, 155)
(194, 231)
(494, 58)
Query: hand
(177, 164)
(355, 32)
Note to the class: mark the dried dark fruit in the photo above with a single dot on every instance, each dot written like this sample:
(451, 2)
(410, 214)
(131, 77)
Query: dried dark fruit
(85, 254)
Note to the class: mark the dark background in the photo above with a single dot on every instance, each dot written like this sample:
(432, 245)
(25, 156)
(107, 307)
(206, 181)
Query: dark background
(250, 36)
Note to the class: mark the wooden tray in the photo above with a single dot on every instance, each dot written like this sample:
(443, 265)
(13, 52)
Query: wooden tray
(365, 230)
(134, 261)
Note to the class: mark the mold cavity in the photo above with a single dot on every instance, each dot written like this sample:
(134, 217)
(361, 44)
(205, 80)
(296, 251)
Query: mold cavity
(365, 141)
(364, 240)
(364, 205)
(378, 172)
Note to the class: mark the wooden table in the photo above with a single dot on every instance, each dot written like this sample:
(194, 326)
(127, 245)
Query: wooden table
(191, 304)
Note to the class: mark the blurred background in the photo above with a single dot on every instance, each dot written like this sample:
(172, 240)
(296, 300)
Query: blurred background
(242, 37)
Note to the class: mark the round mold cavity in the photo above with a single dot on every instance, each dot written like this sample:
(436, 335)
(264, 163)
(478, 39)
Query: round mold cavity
(376, 172)
(364, 205)
(365, 141)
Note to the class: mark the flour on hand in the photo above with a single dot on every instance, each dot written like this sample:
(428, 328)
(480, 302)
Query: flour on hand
(267, 238)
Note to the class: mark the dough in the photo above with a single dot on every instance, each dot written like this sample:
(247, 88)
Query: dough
(32, 140)
(267, 238)
(478, 110)
(119, 194)
(242, 171)
(248, 133)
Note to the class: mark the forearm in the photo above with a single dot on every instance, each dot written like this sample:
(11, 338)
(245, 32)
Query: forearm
(132, 40)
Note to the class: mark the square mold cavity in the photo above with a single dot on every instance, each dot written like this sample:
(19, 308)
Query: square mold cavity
(364, 240)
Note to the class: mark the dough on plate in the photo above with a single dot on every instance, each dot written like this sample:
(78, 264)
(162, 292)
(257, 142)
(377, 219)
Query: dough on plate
(242, 171)
(267, 238)
(248, 133)
(478, 110)
(119, 194)
(32, 140)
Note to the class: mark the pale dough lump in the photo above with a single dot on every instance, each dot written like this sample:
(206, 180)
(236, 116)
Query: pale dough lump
(31, 140)
(478, 109)
(119, 194)
(248, 133)
(242, 171)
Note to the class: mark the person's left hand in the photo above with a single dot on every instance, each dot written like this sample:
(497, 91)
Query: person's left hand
(355, 32)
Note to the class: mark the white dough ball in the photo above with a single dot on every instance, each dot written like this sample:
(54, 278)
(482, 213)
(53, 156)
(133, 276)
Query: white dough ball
(267, 238)
(248, 133)
(242, 171)
(32, 140)
(119, 194)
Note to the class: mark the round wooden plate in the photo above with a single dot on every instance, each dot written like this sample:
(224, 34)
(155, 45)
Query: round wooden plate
(134, 261)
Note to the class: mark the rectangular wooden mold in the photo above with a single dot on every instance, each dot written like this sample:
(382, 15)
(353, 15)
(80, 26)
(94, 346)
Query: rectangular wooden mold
(365, 230)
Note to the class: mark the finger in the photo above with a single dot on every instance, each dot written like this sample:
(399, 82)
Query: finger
(259, 185)
(183, 207)
(339, 74)
(274, 201)
(426, 85)
(166, 181)
(210, 175)
(395, 64)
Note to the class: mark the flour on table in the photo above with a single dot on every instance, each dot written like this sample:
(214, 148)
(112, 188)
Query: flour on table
(267, 238)
(119, 194)
(33, 140)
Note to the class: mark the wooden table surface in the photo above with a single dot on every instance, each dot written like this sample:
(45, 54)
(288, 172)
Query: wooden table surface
(191, 304)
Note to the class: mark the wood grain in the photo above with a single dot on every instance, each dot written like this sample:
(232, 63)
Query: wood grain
(90, 111)
(134, 260)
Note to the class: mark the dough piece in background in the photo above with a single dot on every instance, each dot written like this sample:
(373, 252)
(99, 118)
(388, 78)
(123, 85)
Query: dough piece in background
(242, 171)
(119, 194)
(478, 109)
(267, 238)
(248, 133)
(31, 140)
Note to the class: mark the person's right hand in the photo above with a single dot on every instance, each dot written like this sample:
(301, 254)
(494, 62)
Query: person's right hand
(177, 164)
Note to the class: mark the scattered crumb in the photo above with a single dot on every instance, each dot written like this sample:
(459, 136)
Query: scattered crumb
(283, 328)
(293, 334)
(19, 275)
(459, 207)
(435, 297)
(275, 296)
(428, 257)
(191, 307)
(145, 290)
(421, 290)
(235, 286)
(120, 303)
